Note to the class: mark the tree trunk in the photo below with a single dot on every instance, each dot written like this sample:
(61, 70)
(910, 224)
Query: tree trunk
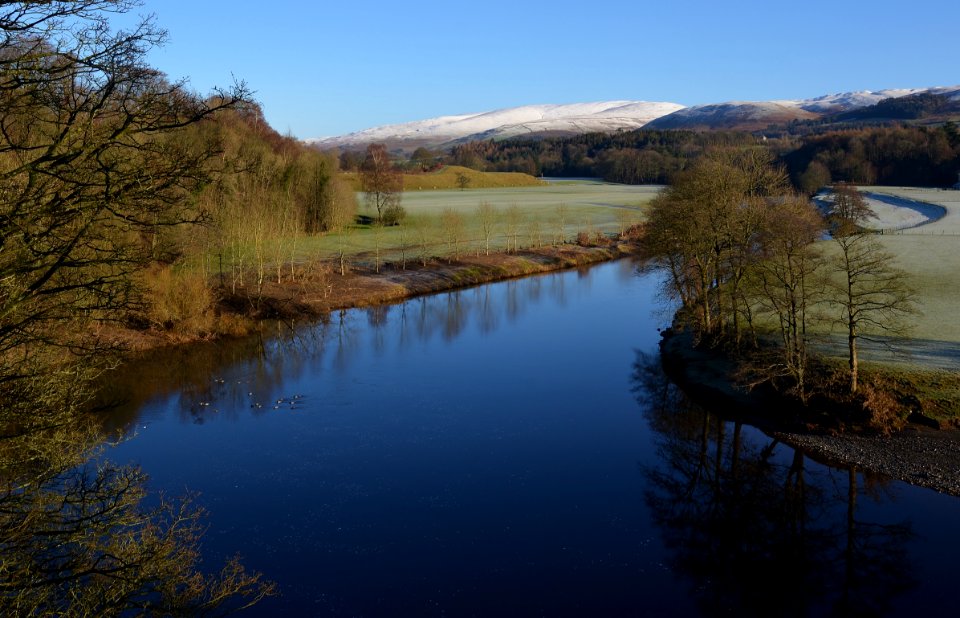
(852, 343)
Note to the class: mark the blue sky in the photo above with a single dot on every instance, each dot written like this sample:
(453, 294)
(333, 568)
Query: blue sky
(327, 68)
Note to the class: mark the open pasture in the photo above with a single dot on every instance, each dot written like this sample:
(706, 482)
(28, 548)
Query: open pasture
(930, 255)
(583, 206)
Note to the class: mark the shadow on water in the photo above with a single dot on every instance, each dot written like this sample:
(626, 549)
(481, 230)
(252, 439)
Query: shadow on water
(754, 533)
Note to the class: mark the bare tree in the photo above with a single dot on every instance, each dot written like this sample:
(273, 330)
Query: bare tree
(381, 183)
(423, 231)
(463, 181)
(78, 538)
(488, 217)
(872, 293)
(787, 275)
(377, 244)
(328, 202)
(454, 231)
(561, 221)
(96, 169)
(513, 224)
(702, 229)
(93, 164)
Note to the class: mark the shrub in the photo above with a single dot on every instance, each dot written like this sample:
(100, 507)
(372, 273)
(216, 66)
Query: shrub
(393, 215)
(634, 232)
(179, 300)
(885, 413)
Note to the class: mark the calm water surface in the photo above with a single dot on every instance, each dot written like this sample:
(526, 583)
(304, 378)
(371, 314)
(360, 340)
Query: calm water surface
(513, 450)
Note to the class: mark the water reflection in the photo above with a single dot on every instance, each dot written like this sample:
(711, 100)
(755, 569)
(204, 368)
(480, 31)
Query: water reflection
(756, 530)
(481, 453)
(226, 377)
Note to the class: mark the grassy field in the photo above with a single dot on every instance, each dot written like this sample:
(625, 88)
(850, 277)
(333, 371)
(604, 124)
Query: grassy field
(586, 205)
(930, 254)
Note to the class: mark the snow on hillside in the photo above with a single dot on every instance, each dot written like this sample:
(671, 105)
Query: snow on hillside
(609, 116)
(600, 116)
(845, 101)
(734, 114)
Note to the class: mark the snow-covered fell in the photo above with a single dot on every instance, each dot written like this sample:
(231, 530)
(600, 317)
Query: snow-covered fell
(610, 116)
(746, 115)
(752, 115)
(845, 101)
(573, 118)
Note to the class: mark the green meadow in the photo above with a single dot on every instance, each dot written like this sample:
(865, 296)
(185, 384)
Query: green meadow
(583, 206)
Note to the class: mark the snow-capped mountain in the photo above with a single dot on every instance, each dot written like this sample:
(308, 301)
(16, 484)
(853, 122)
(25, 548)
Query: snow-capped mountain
(744, 115)
(754, 115)
(575, 118)
(845, 101)
(610, 116)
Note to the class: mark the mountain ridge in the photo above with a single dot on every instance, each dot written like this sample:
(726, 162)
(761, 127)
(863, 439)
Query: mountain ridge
(612, 116)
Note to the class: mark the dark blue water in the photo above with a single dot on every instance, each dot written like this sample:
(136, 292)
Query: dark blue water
(512, 450)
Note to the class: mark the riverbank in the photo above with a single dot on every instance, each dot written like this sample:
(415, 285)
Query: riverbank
(239, 311)
(917, 454)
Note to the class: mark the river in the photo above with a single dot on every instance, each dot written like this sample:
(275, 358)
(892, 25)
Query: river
(512, 449)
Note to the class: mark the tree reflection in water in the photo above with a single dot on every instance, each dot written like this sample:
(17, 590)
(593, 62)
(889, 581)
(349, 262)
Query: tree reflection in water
(758, 533)
(79, 538)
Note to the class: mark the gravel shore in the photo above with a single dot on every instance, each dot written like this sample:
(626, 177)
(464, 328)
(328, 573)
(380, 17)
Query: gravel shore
(916, 455)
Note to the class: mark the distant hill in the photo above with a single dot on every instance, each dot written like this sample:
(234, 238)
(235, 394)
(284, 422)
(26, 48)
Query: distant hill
(529, 120)
(930, 106)
(739, 116)
(541, 121)
(849, 107)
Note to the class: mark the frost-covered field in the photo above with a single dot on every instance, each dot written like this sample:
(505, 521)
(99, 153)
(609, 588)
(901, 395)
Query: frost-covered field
(947, 199)
(930, 254)
(893, 212)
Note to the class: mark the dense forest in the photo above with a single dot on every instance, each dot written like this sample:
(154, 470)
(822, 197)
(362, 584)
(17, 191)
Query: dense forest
(887, 155)
(897, 155)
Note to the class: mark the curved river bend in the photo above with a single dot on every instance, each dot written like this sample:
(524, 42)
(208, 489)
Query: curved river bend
(513, 450)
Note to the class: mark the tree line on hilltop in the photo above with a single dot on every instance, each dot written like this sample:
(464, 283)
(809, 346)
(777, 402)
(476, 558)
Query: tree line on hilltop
(898, 154)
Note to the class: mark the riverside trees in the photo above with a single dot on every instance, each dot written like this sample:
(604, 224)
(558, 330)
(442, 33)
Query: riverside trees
(98, 162)
(95, 165)
(741, 257)
(703, 230)
(870, 290)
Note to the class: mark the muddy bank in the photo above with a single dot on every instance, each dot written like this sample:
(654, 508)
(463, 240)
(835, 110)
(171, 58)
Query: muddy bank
(241, 310)
(918, 454)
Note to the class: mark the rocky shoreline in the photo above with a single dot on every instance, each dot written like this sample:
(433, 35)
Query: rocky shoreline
(918, 454)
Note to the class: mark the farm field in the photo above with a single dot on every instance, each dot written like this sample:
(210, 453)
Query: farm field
(586, 206)
(930, 254)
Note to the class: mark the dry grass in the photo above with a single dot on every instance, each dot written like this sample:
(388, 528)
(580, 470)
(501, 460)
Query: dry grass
(447, 178)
